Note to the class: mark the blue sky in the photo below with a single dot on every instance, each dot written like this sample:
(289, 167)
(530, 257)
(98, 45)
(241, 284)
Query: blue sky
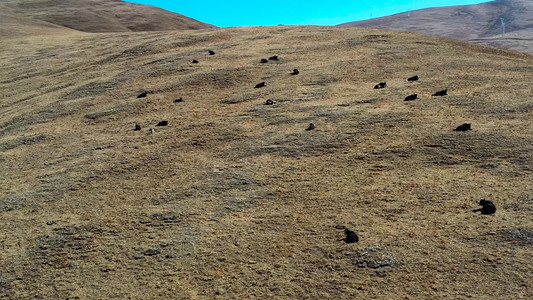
(299, 12)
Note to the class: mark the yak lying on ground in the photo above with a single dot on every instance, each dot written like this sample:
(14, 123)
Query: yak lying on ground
(260, 85)
(464, 127)
(411, 97)
(441, 93)
(488, 208)
(351, 236)
(413, 78)
(380, 85)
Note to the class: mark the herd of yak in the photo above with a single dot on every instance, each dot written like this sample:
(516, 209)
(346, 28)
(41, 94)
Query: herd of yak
(487, 207)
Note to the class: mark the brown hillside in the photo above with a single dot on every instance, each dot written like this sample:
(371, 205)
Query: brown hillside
(467, 22)
(102, 15)
(521, 40)
(234, 199)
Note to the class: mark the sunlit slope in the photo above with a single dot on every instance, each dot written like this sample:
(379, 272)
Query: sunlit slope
(234, 199)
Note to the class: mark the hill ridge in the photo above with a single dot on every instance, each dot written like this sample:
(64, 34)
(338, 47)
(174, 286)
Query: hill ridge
(102, 15)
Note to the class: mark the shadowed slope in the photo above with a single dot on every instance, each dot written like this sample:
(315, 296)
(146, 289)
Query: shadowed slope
(521, 40)
(234, 199)
(102, 15)
(466, 22)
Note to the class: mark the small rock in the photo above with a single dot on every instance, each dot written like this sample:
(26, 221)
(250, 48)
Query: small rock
(220, 291)
(152, 252)
(375, 264)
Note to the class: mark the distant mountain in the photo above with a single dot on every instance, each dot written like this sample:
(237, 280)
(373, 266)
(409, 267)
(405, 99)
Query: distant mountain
(100, 15)
(480, 23)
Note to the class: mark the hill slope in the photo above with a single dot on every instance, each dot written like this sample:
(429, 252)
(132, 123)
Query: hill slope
(102, 15)
(466, 22)
(13, 26)
(521, 40)
(235, 199)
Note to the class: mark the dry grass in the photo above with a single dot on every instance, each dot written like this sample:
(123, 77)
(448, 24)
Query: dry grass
(234, 199)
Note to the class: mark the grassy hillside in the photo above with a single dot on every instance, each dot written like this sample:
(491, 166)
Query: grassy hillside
(517, 40)
(15, 26)
(101, 15)
(234, 199)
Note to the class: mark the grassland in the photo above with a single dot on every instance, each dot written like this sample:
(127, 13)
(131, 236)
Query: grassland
(234, 199)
